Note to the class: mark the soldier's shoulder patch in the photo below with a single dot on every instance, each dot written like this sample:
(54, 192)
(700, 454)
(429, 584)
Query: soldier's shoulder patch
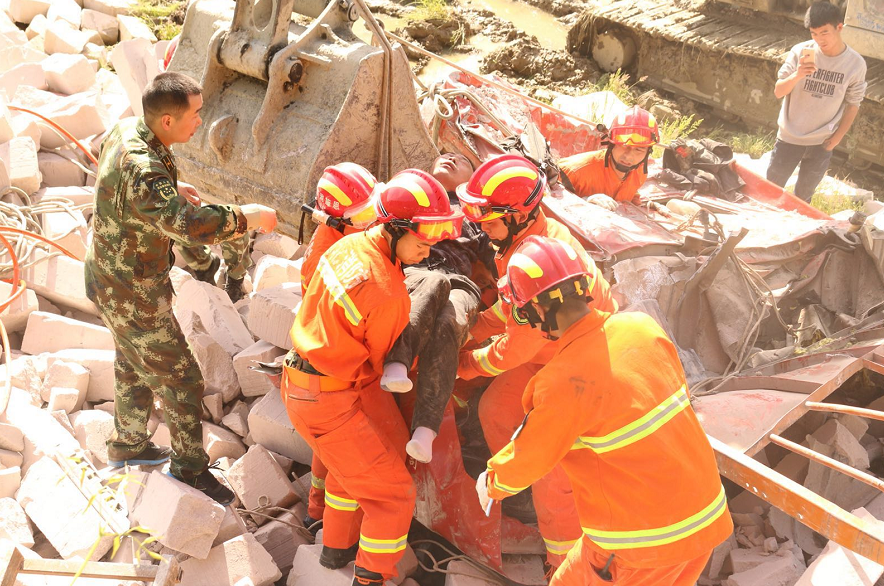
(164, 188)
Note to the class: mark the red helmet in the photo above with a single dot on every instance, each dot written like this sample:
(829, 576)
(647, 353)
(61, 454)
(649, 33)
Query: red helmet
(344, 191)
(543, 269)
(501, 186)
(415, 201)
(170, 51)
(636, 127)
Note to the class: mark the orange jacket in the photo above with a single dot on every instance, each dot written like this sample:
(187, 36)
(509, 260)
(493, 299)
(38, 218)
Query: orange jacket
(589, 176)
(519, 342)
(322, 239)
(353, 313)
(612, 407)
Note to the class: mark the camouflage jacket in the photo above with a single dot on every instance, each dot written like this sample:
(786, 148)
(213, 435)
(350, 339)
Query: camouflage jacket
(138, 212)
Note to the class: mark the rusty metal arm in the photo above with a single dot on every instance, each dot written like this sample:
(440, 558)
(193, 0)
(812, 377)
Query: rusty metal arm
(828, 462)
(803, 504)
(847, 409)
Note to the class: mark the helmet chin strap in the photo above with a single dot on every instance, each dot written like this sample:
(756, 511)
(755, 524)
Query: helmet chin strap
(513, 228)
(609, 156)
(395, 234)
(549, 323)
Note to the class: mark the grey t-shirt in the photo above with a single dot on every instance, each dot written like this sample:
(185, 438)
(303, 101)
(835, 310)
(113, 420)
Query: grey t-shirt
(812, 111)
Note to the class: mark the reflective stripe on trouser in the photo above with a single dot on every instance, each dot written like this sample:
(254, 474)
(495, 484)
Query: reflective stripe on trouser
(500, 411)
(580, 569)
(316, 500)
(614, 540)
(357, 435)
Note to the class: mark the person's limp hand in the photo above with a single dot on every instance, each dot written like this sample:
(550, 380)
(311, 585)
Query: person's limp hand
(603, 201)
(830, 143)
(259, 217)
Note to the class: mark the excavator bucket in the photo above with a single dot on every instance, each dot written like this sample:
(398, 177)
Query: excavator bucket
(288, 89)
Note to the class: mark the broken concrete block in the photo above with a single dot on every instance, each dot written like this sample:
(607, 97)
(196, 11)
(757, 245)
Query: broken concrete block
(719, 555)
(10, 481)
(7, 132)
(279, 245)
(42, 433)
(272, 314)
(66, 10)
(778, 571)
(11, 57)
(281, 540)
(26, 373)
(26, 127)
(272, 272)
(214, 361)
(27, 74)
(10, 459)
(306, 570)
(20, 156)
(269, 425)
(136, 66)
(857, 426)
(65, 374)
(132, 27)
(24, 11)
(106, 25)
(11, 438)
(60, 280)
(257, 479)
(82, 115)
(37, 28)
(68, 74)
(62, 37)
(237, 422)
(111, 7)
(741, 560)
(836, 435)
(15, 316)
(241, 560)
(14, 524)
(254, 384)
(99, 364)
(47, 332)
(183, 518)
(92, 429)
(839, 565)
(232, 526)
(217, 313)
(793, 466)
(62, 399)
(219, 442)
(465, 574)
(788, 528)
(61, 512)
(215, 406)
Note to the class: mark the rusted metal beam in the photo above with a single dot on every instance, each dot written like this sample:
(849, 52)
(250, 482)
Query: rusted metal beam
(828, 462)
(806, 506)
(836, 408)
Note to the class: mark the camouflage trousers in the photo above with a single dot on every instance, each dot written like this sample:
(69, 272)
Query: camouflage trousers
(153, 358)
(235, 253)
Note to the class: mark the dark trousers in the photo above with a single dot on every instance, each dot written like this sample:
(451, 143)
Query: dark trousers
(443, 310)
(814, 161)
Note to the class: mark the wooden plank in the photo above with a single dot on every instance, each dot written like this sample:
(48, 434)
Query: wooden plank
(14, 561)
(144, 573)
(821, 515)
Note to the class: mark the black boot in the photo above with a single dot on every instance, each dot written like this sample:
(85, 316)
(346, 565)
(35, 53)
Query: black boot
(363, 577)
(335, 559)
(151, 455)
(312, 525)
(234, 289)
(206, 483)
(208, 275)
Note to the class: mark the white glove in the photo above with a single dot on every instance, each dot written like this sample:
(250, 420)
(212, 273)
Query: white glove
(603, 201)
(482, 491)
(258, 217)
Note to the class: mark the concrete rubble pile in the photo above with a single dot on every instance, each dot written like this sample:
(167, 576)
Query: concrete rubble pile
(56, 58)
(770, 548)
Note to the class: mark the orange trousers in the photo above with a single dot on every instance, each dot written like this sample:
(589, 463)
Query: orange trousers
(360, 436)
(316, 500)
(500, 411)
(584, 562)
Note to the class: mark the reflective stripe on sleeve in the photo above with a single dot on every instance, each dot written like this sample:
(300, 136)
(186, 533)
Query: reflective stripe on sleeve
(481, 356)
(338, 293)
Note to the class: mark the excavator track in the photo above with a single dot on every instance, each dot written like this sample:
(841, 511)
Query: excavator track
(721, 56)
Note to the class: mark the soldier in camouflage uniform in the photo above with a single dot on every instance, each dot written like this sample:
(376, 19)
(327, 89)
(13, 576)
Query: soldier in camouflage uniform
(204, 264)
(138, 212)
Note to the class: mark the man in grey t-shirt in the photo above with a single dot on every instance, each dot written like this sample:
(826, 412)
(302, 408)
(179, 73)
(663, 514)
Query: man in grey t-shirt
(822, 83)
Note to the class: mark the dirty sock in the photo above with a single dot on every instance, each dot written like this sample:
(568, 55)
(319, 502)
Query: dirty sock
(421, 445)
(395, 378)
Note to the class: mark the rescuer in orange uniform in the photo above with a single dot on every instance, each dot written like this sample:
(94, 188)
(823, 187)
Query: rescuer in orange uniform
(349, 318)
(343, 205)
(616, 173)
(503, 196)
(612, 407)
